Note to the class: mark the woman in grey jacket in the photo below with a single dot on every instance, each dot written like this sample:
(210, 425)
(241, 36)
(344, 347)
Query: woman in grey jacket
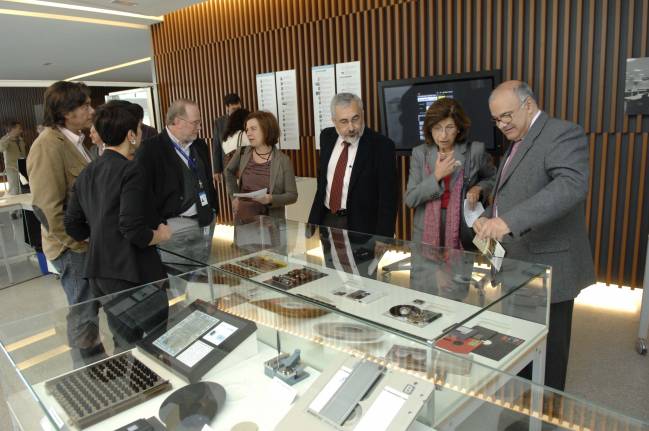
(441, 170)
(258, 166)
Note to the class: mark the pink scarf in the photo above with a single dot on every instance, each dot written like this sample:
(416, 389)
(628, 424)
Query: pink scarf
(433, 215)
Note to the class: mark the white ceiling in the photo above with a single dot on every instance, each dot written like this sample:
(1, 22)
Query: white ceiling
(74, 48)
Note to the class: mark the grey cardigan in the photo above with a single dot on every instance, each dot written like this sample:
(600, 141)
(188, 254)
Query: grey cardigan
(422, 188)
(282, 179)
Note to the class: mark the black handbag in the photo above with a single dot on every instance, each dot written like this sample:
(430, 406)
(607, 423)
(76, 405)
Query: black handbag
(466, 233)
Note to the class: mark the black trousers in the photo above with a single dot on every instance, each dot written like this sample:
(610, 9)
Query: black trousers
(558, 347)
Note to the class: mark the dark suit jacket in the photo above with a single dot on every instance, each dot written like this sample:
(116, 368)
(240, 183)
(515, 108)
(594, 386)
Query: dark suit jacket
(217, 144)
(542, 198)
(372, 195)
(163, 172)
(108, 205)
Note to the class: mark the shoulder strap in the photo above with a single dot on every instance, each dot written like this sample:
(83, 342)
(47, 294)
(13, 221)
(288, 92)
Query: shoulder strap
(239, 139)
(467, 165)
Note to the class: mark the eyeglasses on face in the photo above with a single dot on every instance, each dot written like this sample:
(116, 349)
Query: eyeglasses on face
(449, 129)
(507, 117)
(195, 123)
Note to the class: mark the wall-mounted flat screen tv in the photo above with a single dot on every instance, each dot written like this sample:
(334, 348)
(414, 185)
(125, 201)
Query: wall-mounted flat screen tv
(404, 104)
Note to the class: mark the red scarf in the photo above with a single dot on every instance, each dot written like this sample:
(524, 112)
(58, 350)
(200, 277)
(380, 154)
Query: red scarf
(433, 215)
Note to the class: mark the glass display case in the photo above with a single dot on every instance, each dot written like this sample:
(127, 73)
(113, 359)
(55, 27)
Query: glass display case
(212, 348)
(435, 295)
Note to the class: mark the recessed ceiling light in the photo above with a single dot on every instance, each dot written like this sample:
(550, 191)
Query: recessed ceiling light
(49, 63)
(61, 5)
(124, 2)
(108, 69)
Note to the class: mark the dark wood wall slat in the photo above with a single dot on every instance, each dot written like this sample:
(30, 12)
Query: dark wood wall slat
(560, 48)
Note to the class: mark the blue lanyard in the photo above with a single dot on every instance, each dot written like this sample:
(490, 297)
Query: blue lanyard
(190, 161)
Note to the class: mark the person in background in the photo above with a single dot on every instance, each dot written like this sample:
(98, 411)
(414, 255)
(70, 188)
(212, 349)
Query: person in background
(98, 148)
(13, 148)
(55, 160)
(357, 175)
(441, 169)
(260, 165)
(107, 207)
(538, 212)
(234, 136)
(232, 102)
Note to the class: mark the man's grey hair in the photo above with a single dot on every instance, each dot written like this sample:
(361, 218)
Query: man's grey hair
(177, 109)
(344, 99)
(522, 91)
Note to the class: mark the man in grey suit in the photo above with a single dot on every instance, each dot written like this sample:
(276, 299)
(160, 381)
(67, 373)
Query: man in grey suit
(538, 212)
(232, 102)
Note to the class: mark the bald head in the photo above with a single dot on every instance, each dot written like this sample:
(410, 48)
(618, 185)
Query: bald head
(513, 106)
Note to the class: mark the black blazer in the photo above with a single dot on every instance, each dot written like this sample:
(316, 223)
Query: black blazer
(108, 205)
(372, 195)
(163, 171)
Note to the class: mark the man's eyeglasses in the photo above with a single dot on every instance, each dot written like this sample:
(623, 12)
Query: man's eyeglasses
(507, 117)
(195, 122)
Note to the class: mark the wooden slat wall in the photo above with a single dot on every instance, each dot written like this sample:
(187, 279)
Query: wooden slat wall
(573, 53)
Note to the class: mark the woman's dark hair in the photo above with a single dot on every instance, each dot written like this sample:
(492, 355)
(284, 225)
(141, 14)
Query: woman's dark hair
(268, 124)
(236, 122)
(61, 98)
(114, 119)
(442, 109)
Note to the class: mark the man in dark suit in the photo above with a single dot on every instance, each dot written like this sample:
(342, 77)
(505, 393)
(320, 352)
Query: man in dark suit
(538, 212)
(176, 165)
(357, 175)
(232, 102)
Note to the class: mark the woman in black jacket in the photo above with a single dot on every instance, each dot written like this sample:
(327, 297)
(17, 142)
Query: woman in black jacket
(107, 207)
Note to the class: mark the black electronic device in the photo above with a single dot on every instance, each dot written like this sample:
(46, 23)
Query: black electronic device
(196, 338)
(101, 390)
(150, 424)
(404, 103)
(192, 407)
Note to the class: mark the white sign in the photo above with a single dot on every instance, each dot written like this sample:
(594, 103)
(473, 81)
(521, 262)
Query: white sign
(266, 93)
(323, 80)
(287, 112)
(348, 78)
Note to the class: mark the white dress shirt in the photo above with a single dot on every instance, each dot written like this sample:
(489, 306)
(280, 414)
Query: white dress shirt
(191, 211)
(331, 168)
(77, 140)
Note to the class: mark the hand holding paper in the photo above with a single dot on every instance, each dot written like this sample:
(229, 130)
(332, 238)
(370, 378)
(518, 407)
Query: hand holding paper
(252, 195)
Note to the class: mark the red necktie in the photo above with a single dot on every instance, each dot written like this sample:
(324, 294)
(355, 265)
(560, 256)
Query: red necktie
(336, 193)
(340, 248)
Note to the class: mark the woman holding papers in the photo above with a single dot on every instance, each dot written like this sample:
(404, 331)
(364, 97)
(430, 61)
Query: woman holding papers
(260, 170)
(447, 173)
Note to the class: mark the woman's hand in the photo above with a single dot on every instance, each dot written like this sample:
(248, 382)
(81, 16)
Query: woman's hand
(235, 205)
(444, 166)
(473, 196)
(264, 200)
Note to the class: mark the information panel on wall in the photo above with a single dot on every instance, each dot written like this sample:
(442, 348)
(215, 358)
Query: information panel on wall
(324, 89)
(266, 93)
(327, 81)
(348, 78)
(287, 111)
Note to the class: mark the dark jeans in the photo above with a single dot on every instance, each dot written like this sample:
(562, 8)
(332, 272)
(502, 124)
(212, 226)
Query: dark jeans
(82, 318)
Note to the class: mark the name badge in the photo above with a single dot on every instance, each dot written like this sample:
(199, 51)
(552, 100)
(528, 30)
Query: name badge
(203, 197)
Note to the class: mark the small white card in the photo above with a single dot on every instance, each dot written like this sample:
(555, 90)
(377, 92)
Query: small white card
(255, 194)
(383, 411)
(282, 391)
(471, 215)
(194, 353)
(219, 333)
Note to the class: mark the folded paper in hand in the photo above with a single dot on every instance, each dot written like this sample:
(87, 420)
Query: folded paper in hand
(252, 195)
(471, 215)
(492, 251)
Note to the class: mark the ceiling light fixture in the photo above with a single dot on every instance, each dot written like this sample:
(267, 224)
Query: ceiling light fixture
(108, 69)
(86, 9)
(73, 18)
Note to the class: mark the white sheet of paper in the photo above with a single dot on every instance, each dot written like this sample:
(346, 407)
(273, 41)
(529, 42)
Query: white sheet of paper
(282, 392)
(471, 215)
(194, 353)
(255, 194)
(219, 333)
(329, 390)
(383, 411)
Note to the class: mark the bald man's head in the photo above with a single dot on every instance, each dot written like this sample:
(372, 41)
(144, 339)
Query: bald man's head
(513, 106)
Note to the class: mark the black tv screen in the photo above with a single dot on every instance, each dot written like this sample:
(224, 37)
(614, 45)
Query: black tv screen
(404, 104)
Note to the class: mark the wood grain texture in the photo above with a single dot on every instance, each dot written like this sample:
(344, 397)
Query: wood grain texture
(573, 54)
